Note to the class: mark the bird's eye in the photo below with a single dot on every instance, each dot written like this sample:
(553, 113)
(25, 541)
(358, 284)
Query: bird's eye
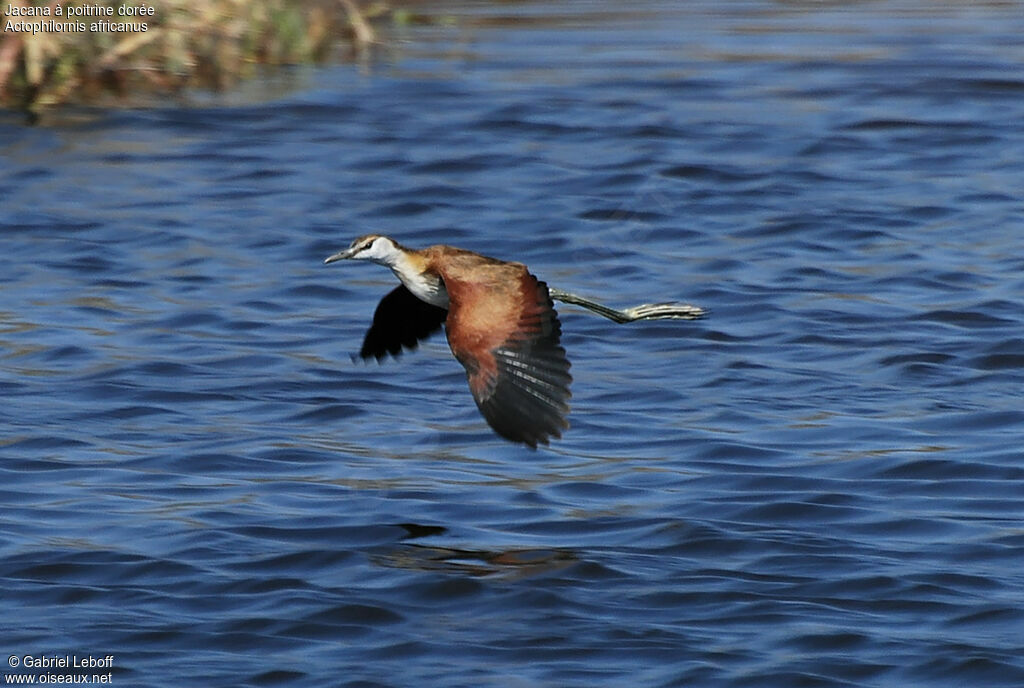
(366, 246)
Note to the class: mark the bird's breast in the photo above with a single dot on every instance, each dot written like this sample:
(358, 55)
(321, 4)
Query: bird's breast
(425, 286)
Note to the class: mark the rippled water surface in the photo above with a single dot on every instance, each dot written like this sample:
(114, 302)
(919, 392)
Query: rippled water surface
(819, 485)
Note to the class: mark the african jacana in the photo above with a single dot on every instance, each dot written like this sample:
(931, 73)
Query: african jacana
(501, 326)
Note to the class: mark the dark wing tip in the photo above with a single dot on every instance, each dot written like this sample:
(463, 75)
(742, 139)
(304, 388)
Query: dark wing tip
(530, 396)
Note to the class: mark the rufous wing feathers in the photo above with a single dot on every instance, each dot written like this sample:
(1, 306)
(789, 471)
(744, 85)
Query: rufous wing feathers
(521, 386)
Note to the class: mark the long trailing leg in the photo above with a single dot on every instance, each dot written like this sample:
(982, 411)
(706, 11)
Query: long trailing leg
(646, 311)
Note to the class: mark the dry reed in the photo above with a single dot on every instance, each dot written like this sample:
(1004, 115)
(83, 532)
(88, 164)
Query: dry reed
(185, 44)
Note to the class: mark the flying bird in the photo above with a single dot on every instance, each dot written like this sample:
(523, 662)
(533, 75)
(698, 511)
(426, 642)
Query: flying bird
(501, 326)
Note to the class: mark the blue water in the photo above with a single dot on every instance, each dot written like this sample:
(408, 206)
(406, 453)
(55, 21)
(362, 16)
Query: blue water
(821, 484)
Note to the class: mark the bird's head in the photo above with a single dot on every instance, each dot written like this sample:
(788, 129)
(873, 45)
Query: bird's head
(373, 247)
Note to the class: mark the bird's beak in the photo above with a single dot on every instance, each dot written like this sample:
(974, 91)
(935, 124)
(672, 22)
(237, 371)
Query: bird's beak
(340, 255)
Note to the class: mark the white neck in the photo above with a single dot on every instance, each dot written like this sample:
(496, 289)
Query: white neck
(424, 285)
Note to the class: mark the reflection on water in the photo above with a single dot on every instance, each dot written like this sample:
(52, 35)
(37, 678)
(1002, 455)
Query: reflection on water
(508, 563)
(819, 484)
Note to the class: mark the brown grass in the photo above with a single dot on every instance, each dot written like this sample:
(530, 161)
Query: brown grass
(186, 44)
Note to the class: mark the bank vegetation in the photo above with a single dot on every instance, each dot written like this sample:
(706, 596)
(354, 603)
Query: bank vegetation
(58, 52)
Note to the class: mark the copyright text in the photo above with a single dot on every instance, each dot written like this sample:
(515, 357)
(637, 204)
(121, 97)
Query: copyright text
(77, 669)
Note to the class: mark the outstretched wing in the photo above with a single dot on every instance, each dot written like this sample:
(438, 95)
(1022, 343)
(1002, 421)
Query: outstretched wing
(517, 369)
(401, 320)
